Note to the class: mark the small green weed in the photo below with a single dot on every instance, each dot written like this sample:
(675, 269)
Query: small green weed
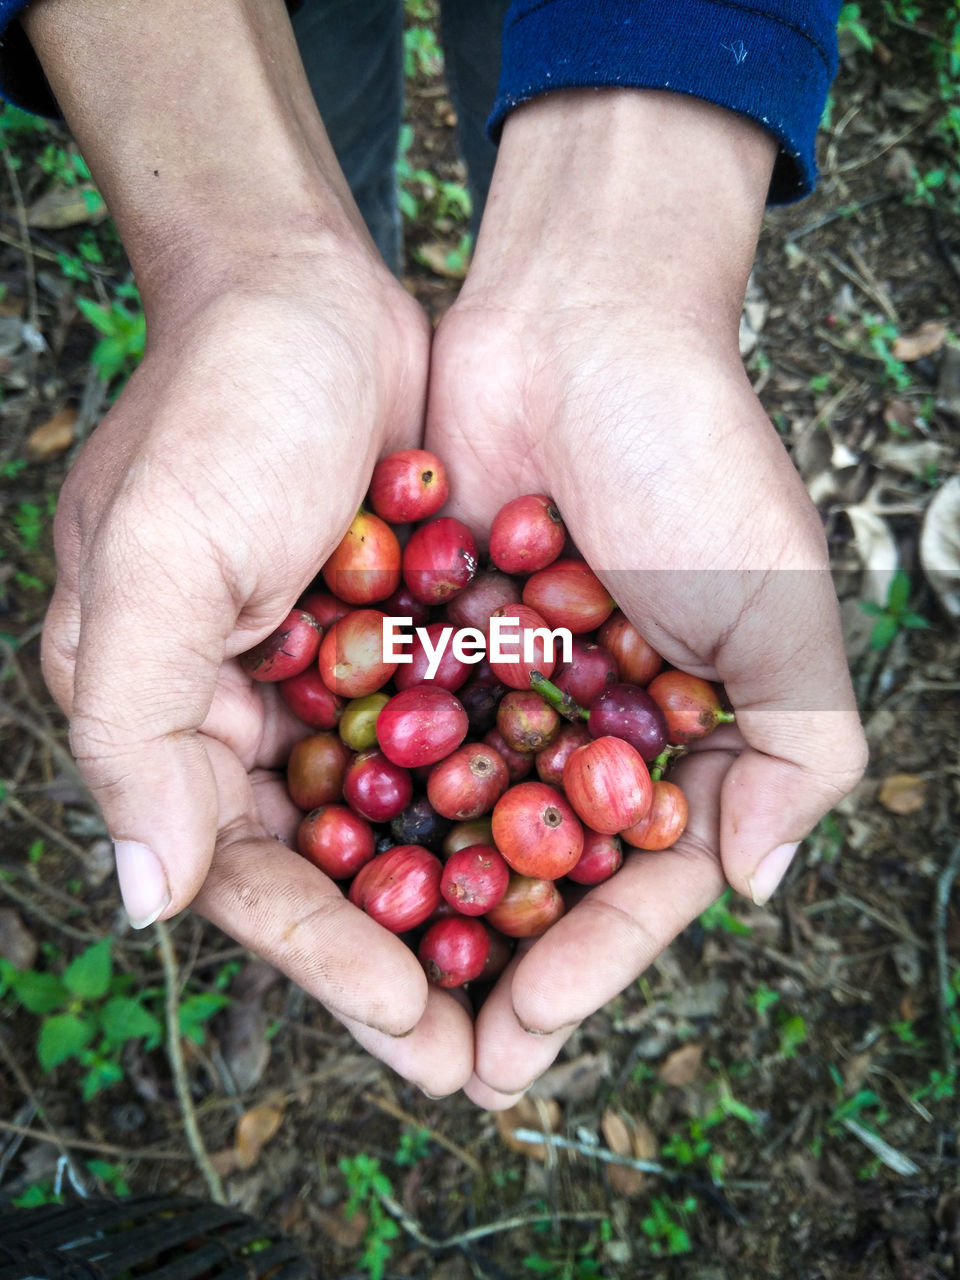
(90, 1013)
(124, 334)
(895, 615)
(413, 1146)
(793, 1034)
(763, 999)
(665, 1227)
(719, 916)
(422, 196)
(573, 1266)
(15, 123)
(366, 1183)
(850, 22)
(826, 840)
(881, 334)
(29, 520)
(421, 53)
(940, 1085)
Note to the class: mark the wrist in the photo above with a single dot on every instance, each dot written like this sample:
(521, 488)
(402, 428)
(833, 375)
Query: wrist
(202, 134)
(648, 197)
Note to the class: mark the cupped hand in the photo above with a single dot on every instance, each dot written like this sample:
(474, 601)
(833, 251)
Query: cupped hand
(616, 387)
(200, 508)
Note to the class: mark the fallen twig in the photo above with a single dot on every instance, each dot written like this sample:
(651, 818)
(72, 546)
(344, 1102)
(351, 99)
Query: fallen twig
(77, 1176)
(405, 1117)
(946, 998)
(175, 1054)
(33, 307)
(412, 1226)
(86, 1144)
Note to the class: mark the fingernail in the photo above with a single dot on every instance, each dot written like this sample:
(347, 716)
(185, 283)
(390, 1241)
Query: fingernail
(143, 882)
(771, 871)
(536, 1031)
(395, 1035)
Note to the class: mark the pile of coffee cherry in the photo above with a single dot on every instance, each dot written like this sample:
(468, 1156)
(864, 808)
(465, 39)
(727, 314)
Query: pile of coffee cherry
(464, 773)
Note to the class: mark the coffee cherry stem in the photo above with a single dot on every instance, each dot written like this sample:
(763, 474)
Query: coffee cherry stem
(664, 760)
(725, 717)
(560, 701)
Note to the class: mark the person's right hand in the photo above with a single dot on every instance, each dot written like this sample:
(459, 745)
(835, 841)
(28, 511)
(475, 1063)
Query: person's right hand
(201, 507)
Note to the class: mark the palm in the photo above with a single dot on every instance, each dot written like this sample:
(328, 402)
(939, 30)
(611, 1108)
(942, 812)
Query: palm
(200, 509)
(658, 476)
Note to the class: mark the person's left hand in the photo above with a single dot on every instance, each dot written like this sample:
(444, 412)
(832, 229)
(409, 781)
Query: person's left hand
(602, 368)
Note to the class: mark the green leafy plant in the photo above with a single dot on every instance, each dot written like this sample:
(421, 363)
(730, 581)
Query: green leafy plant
(665, 1226)
(124, 333)
(90, 1013)
(421, 195)
(28, 520)
(896, 615)
(111, 1175)
(87, 1014)
(413, 1146)
(850, 22)
(421, 52)
(560, 1261)
(793, 1034)
(16, 123)
(940, 1085)
(693, 1146)
(719, 916)
(925, 186)
(881, 334)
(826, 839)
(764, 998)
(366, 1184)
(572, 1266)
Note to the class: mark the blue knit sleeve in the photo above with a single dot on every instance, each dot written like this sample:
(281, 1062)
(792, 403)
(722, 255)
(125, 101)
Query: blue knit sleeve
(771, 60)
(21, 77)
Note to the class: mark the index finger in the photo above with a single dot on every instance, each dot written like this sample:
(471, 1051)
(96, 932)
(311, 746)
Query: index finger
(592, 954)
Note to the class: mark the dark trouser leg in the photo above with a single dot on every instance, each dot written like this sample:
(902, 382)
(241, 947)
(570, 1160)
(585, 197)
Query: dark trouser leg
(471, 49)
(353, 54)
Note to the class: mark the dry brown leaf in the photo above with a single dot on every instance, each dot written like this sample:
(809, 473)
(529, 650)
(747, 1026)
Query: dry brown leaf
(616, 1133)
(877, 549)
(645, 1145)
(455, 1267)
(903, 793)
(255, 1128)
(62, 207)
(626, 1136)
(224, 1162)
(343, 1231)
(911, 457)
(440, 259)
(680, 1067)
(243, 1037)
(855, 1071)
(907, 1008)
(575, 1080)
(920, 342)
(626, 1182)
(940, 545)
(17, 943)
(543, 1116)
(52, 436)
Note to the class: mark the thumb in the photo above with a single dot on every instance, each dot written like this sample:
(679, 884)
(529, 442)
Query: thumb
(147, 655)
(769, 803)
(795, 709)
